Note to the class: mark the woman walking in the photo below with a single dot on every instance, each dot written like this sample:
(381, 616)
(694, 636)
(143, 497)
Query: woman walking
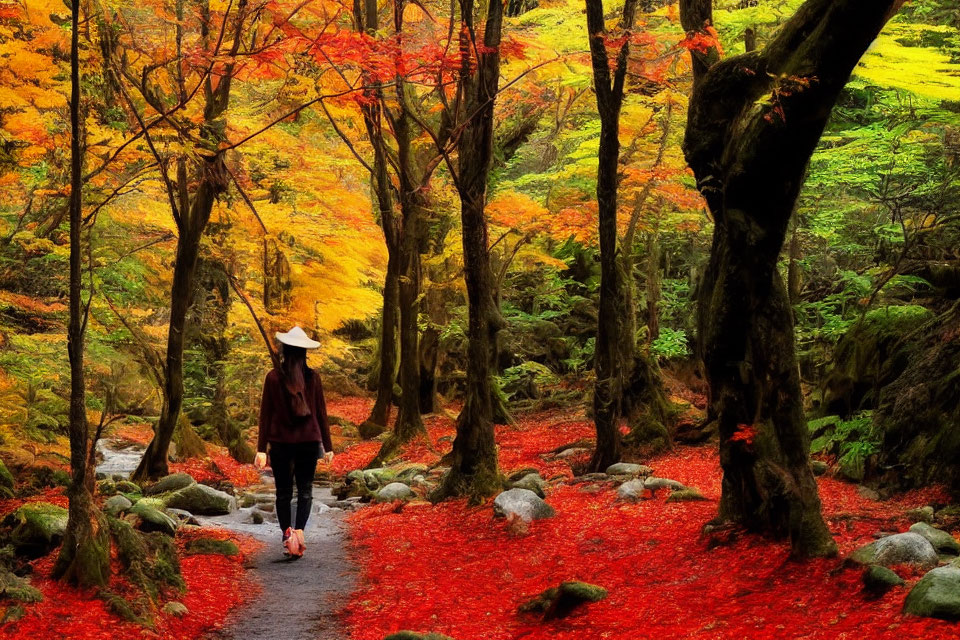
(294, 429)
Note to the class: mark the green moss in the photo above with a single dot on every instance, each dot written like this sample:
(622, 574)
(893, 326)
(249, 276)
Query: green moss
(211, 546)
(6, 481)
(560, 601)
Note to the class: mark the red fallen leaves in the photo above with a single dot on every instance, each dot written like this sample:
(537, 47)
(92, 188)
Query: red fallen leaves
(356, 410)
(214, 585)
(468, 576)
(216, 466)
(54, 495)
(520, 446)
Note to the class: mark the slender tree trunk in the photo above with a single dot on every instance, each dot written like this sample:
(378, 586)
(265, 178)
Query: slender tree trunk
(367, 21)
(212, 179)
(389, 358)
(85, 555)
(609, 364)
(474, 469)
(154, 461)
(408, 423)
(749, 163)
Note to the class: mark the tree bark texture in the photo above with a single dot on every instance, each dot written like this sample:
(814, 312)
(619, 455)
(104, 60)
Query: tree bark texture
(609, 363)
(85, 555)
(753, 124)
(474, 468)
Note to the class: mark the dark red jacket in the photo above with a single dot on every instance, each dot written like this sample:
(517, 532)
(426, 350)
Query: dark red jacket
(277, 423)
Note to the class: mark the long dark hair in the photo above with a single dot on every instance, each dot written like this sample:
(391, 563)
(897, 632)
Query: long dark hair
(295, 373)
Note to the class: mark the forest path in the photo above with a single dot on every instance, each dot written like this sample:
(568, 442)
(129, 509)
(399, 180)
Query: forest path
(299, 598)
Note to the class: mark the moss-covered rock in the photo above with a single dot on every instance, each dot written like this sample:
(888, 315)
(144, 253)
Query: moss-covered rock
(870, 355)
(412, 635)
(937, 595)
(200, 499)
(18, 589)
(370, 430)
(38, 528)
(378, 477)
(532, 482)
(125, 486)
(211, 546)
(560, 601)
(153, 519)
(941, 540)
(172, 482)
(688, 494)
(878, 580)
(918, 410)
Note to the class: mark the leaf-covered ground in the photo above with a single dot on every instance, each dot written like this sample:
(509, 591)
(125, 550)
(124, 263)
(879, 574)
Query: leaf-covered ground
(215, 584)
(454, 569)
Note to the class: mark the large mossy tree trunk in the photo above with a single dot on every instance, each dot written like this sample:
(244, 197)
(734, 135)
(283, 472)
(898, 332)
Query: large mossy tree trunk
(754, 122)
(85, 555)
(474, 469)
(191, 211)
(609, 359)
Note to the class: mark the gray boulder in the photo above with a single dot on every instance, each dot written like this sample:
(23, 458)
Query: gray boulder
(573, 451)
(175, 609)
(631, 491)
(153, 519)
(628, 469)
(394, 491)
(941, 540)
(653, 483)
(116, 504)
(172, 482)
(524, 503)
(902, 548)
(937, 595)
(202, 500)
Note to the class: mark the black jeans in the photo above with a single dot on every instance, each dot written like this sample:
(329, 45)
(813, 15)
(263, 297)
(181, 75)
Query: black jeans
(294, 461)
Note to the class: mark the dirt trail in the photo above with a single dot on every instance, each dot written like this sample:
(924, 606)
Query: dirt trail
(300, 598)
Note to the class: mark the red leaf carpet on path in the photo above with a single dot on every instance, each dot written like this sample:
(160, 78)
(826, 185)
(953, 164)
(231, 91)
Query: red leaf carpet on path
(453, 569)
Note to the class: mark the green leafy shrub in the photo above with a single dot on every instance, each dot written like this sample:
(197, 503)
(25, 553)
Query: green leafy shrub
(671, 344)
